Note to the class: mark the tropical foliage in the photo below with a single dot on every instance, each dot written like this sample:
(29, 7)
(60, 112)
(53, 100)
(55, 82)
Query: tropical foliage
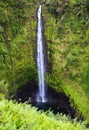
(66, 26)
(23, 116)
(17, 43)
(67, 34)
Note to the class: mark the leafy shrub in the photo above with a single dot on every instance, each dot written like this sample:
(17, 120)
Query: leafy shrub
(4, 88)
(23, 116)
(86, 79)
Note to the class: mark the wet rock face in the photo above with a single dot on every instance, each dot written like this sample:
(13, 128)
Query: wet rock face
(57, 102)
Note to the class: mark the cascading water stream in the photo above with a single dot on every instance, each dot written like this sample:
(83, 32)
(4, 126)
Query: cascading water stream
(41, 96)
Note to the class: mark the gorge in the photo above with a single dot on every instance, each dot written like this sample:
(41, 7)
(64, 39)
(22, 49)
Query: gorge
(41, 95)
(44, 64)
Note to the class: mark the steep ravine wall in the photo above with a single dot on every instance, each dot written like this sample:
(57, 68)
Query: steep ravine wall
(17, 44)
(66, 46)
(64, 58)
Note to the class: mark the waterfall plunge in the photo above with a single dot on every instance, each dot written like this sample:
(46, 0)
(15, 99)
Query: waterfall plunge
(41, 96)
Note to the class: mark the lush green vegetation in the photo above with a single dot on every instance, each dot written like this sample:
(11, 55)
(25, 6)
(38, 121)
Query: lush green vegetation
(23, 116)
(66, 24)
(17, 44)
(67, 28)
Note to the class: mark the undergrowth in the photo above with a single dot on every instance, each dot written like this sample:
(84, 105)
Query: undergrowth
(15, 116)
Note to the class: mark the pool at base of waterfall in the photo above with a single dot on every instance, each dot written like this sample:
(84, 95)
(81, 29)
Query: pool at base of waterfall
(50, 106)
(56, 102)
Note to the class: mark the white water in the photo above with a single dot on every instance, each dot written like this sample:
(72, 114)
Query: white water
(40, 59)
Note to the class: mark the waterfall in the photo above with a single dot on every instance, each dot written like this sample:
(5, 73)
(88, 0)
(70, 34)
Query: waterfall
(41, 96)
